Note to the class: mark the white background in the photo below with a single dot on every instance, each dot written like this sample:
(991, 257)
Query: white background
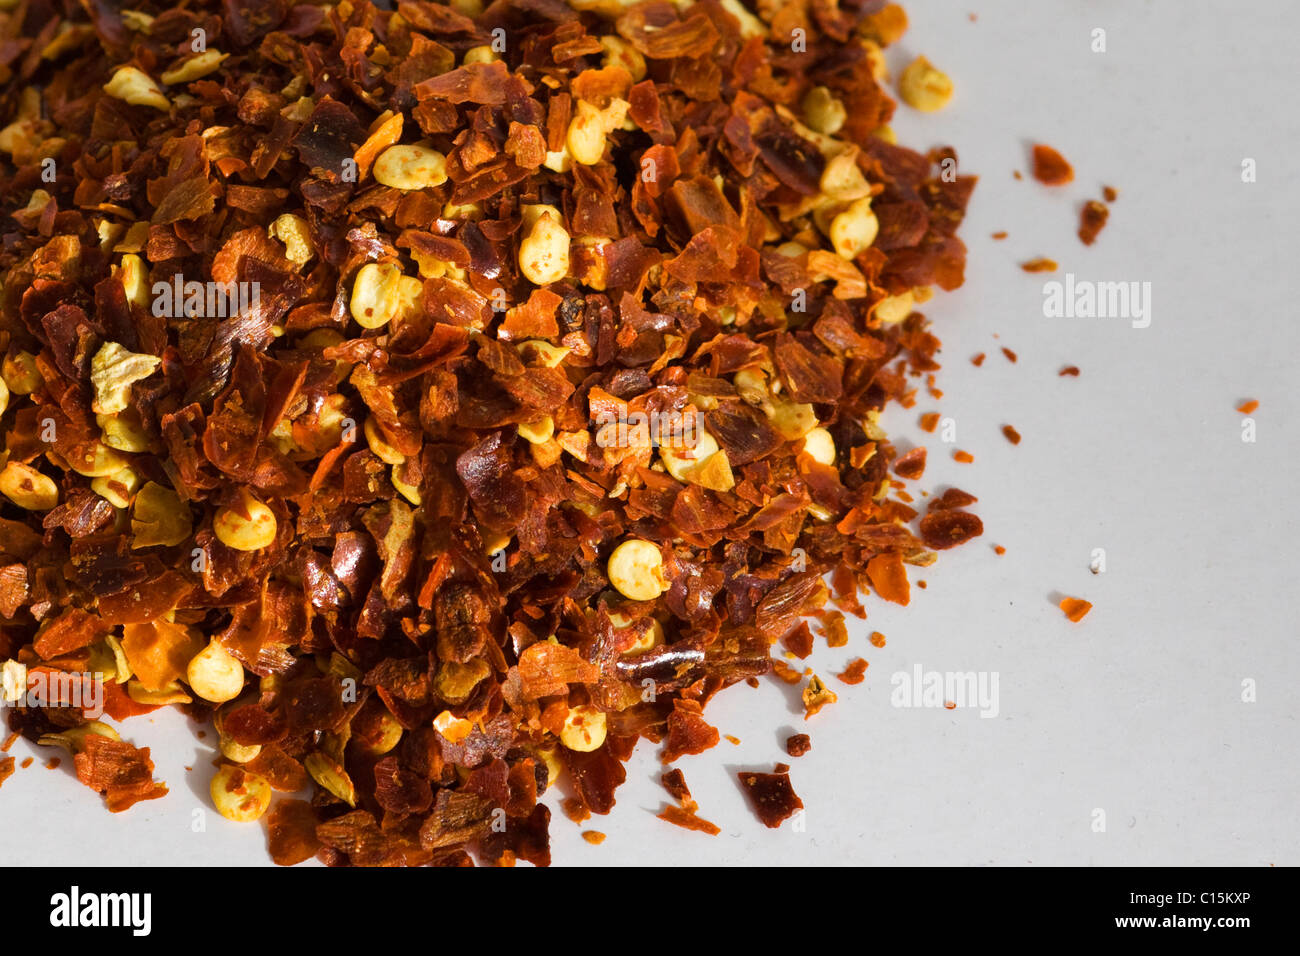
(1138, 710)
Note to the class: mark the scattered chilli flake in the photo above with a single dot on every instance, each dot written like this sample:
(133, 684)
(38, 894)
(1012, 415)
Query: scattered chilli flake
(6, 768)
(1050, 167)
(734, 741)
(964, 457)
(594, 837)
(687, 820)
(999, 550)
(1075, 608)
(911, 465)
(27, 762)
(1011, 356)
(9, 741)
(1092, 220)
(929, 421)
(1109, 193)
(950, 704)
(949, 527)
(977, 360)
(771, 795)
(1013, 436)
(796, 745)
(816, 696)
(1041, 264)
(675, 783)
(999, 235)
(1247, 407)
(877, 639)
(1071, 370)
(855, 673)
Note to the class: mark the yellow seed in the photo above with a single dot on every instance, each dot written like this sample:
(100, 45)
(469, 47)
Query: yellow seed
(923, 87)
(541, 353)
(819, 446)
(584, 729)
(650, 638)
(123, 432)
(249, 527)
(636, 569)
(239, 795)
(410, 168)
(895, 308)
(136, 87)
(21, 374)
(538, 432)
(4, 396)
(96, 460)
(214, 674)
(842, 179)
(792, 419)
(823, 111)
(479, 54)
(376, 294)
(381, 448)
(586, 135)
(681, 461)
(544, 252)
(117, 488)
(192, 69)
(28, 488)
(294, 233)
(405, 488)
(112, 372)
(170, 693)
(13, 680)
(618, 52)
(72, 739)
(854, 230)
(238, 752)
(158, 516)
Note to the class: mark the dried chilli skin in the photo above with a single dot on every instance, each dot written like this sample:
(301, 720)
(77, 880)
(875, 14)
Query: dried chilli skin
(411, 407)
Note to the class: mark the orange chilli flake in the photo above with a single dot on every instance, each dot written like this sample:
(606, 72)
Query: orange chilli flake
(977, 360)
(1071, 370)
(1247, 407)
(1041, 264)
(911, 465)
(964, 457)
(1075, 608)
(594, 837)
(687, 820)
(999, 550)
(796, 745)
(1013, 436)
(999, 235)
(889, 578)
(1011, 356)
(877, 639)
(929, 421)
(1109, 193)
(855, 673)
(1092, 219)
(1050, 167)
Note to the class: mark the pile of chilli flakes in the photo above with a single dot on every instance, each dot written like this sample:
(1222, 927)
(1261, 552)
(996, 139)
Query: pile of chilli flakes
(437, 399)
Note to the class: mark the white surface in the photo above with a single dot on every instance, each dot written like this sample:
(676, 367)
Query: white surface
(1136, 711)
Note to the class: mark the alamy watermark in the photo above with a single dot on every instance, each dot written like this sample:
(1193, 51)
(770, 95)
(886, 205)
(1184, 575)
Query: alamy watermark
(1086, 299)
(47, 688)
(640, 429)
(948, 689)
(213, 300)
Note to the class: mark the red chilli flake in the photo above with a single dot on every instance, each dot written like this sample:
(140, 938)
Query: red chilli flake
(1041, 264)
(999, 235)
(1109, 193)
(771, 795)
(1013, 436)
(911, 465)
(952, 498)
(999, 550)
(675, 783)
(977, 360)
(929, 421)
(594, 837)
(877, 639)
(855, 673)
(1075, 608)
(687, 820)
(1092, 220)
(1071, 370)
(1011, 356)
(1050, 167)
(964, 457)
(797, 745)
(1247, 407)
(6, 768)
(947, 529)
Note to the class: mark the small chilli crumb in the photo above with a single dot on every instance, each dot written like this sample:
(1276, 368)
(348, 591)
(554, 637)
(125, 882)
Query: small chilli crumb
(855, 673)
(999, 550)
(594, 837)
(53, 763)
(734, 741)
(796, 745)
(1075, 608)
(978, 360)
(929, 421)
(964, 457)
(877, 639)
(9, 742)
(950, 704)
(1109, 193)
(1000, 235)
(1070, 370)
(1041, 264)
(1092, 220)
(1011, 356)
(1247, 407)
(1050, 167)
(27, 762)
(1013, 436)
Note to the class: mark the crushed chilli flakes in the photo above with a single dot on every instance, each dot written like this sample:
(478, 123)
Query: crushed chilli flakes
(1092, 219)
(1041, 264)
(1071, 370)
(1075, 608)
(796, 745)
(378, 362)
(1249, 406)
(1011, 434)
(854, 673)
